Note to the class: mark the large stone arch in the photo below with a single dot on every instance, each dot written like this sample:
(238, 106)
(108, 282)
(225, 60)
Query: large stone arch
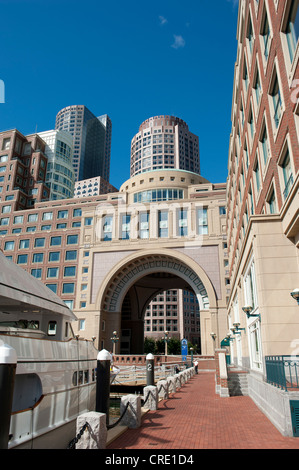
(124, 274)
(137, 266)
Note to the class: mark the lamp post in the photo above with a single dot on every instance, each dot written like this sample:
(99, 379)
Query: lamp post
(166, 339)
(191, 349)
(114, 340)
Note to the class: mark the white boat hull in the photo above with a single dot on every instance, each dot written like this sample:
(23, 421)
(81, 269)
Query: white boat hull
(55, 382)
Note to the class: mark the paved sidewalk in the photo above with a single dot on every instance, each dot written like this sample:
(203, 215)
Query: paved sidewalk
(195, 417)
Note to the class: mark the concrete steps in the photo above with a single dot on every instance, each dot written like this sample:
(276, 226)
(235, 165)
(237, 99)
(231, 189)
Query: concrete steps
(237, 383)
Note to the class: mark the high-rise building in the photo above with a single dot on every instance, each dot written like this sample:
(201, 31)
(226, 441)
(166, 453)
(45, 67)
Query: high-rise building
(23, 164)
(106, 121)
(90, 153)
(164, 142)
(262, 194)
(60, 175)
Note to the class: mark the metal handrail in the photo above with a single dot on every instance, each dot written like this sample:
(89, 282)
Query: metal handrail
(283, 371)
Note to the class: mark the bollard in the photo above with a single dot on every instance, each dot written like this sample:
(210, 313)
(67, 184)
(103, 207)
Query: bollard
(171, 384)
(150, 370)
(162, 387)
(103, 383)
(132, 416)
(95, 436)
(150, 394)
(8, 365)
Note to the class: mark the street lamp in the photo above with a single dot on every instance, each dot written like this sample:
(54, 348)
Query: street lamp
(166, 339)
(295, 295)
(114, 340)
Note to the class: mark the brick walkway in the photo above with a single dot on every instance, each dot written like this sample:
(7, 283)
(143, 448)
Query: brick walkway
(195, 417)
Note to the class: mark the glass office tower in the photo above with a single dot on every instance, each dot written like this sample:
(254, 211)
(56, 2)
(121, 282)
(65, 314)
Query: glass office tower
(89, 138)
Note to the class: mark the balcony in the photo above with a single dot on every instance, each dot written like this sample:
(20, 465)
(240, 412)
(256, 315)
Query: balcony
(282, 372)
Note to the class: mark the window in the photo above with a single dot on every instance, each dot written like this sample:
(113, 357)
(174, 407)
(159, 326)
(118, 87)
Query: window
(107, 228)
(54, 256)
(276, 101)
(83, 304)
(62, 214)
(6, 143)
(163, 224)
(31, 229)
(250, 35)
(6, 209)
(265, 145)
(250, 287)
(3, 158)
(52, 328)
(23, 244)
(81, 324)
(18, 219)
(222, 210)
(77, 212)
(245, 74)
(69, 271)
(9, 246)
(71, 255)
(46, 227)
(72, 239)
(32, 217)
(52, 272)
(47, 215)
(257, 175)
(37, 273)
(4, 221)
(88, 221)
(287, 174)
(22, 259)
(202, 218)
(125, 226)
(52, 287)
(271, 202)
(292, 29)
(144, 225)
(183, 223)
(39, 242)
(265, 33)
(60, 226)
(38, 258)
(68, 288)
(55, 241)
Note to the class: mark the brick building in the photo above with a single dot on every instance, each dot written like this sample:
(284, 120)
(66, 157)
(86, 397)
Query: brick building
(262, 190)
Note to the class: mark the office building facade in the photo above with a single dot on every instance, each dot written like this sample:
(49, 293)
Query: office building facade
(164, 142)
(23, 165)
(93, 187)
(60, 175)
(90, 153)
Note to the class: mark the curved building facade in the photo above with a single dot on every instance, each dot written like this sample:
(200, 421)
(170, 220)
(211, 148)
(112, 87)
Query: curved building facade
(164, 142)
(60, 172)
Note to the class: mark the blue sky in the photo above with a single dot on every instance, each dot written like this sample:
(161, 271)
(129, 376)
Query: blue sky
(130, 60)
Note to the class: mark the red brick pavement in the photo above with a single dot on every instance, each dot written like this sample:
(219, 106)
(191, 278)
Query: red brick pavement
(195, 417)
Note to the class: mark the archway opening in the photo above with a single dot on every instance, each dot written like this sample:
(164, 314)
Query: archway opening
(131, 286)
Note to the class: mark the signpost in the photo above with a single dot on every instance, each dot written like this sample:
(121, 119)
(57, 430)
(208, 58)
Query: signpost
(184, 349)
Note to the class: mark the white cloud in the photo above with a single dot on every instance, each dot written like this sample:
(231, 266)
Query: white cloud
(179, 42)
(163, 20)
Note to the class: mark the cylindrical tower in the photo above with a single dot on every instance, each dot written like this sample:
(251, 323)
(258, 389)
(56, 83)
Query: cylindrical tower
(164, 142)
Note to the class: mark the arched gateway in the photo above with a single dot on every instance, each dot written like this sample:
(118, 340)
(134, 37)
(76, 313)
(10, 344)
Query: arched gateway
(140, 277)
(162, 231)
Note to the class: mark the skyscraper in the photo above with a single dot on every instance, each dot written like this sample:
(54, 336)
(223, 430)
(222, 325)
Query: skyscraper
(60, 175)
(89, 139)
(164, 142)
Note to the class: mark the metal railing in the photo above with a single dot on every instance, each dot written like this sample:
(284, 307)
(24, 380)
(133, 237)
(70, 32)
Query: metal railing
(283, 371)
